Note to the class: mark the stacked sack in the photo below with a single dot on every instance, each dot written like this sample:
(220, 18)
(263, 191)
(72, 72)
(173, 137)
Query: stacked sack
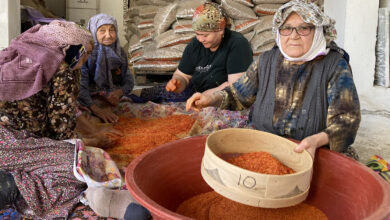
(157, 31)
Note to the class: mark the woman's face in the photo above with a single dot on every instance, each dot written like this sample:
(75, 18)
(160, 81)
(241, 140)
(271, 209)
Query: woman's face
(296, 45)
(106, 34)
(210, 40)
(84, 57)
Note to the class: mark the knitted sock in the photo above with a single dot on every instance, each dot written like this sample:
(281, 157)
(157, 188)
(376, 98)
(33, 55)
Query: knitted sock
(107, 202)
(8, 189)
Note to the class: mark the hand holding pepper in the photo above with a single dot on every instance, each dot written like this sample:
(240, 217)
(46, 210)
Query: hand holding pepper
(173, 85)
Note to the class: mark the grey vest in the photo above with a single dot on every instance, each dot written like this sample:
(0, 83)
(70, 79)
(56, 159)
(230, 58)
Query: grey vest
(313, 115)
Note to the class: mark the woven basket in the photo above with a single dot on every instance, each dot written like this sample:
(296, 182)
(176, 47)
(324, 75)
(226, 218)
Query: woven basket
(248, 187)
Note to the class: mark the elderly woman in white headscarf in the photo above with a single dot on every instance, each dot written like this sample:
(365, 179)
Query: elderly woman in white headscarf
(106, 75)
(302, 88)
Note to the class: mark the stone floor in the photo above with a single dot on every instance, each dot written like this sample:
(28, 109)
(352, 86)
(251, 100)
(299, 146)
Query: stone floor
(373, 135)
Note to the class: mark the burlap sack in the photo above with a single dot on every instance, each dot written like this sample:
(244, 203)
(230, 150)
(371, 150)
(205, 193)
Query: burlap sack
(148, 11)
(152, 53)
(146, 35)
(156, 66)
(187, 8)
(134, 20)
(263, 48)
(164, 18)
(180, 47)
(153, 2)
(249, 36)
(245, 26)
(267, 9)
(261, 39)
(134, 47)
(145, 23)
(182, 26)
(256, 2)
(133, 40)
(236, 10)
(131, 13)
(133, 28)
(136, 55)
(169, 38)
(245, 2)
(264, 24)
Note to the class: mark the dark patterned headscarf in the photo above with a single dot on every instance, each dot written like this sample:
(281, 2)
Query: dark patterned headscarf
(310, 13)
(209, 17)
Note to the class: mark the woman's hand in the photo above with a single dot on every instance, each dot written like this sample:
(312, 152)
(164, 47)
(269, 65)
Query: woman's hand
(105, 114)
(114, 97)
(311, 143)
(173, 85)
(198, 101)
(102, 140)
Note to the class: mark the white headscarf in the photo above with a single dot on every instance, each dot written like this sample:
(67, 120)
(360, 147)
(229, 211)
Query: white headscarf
(318, 47)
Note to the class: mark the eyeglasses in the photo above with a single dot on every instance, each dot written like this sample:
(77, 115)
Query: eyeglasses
(301, 30)
(76, 59)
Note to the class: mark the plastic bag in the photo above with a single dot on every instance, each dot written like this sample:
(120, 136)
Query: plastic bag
(95, 167)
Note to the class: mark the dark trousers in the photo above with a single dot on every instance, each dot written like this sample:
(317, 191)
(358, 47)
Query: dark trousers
(8, 189)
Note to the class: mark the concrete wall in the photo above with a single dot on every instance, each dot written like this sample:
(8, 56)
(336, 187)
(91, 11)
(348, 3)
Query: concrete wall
(339, 17)
(9, 21)
(58, 7)
(115, 9)
(357, 27)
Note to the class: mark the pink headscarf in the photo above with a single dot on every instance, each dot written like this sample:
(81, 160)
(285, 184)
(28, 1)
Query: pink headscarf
(33, 57)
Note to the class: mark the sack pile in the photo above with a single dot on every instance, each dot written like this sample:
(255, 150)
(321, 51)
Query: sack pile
(157, 31)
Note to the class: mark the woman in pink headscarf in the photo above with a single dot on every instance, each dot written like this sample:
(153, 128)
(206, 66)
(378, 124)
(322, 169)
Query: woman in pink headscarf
(39, 85)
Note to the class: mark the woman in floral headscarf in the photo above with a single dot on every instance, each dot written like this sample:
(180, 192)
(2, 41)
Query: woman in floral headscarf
(301, 89)
(215, 58)
(40, 78)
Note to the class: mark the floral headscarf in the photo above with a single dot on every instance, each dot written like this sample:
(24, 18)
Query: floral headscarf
(310, 13)
(209, 17)
(36, 55)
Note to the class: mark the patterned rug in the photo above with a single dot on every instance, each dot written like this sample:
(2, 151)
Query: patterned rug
(209, 120)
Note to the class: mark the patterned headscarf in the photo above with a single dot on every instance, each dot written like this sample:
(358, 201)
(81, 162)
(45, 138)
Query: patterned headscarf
(43, 48)
(101, 19)
(310, 13)
(57, 34)
(209, 17)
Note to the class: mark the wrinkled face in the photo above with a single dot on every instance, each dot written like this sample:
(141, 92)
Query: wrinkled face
(106, 34)
(210, 40)
(84, 57)
(296, 45)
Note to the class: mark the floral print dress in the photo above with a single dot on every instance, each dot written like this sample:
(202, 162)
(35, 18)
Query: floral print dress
(31, 149)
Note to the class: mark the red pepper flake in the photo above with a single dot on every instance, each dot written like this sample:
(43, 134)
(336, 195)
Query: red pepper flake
(143, 135)
(213, 206)
(260, 162)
